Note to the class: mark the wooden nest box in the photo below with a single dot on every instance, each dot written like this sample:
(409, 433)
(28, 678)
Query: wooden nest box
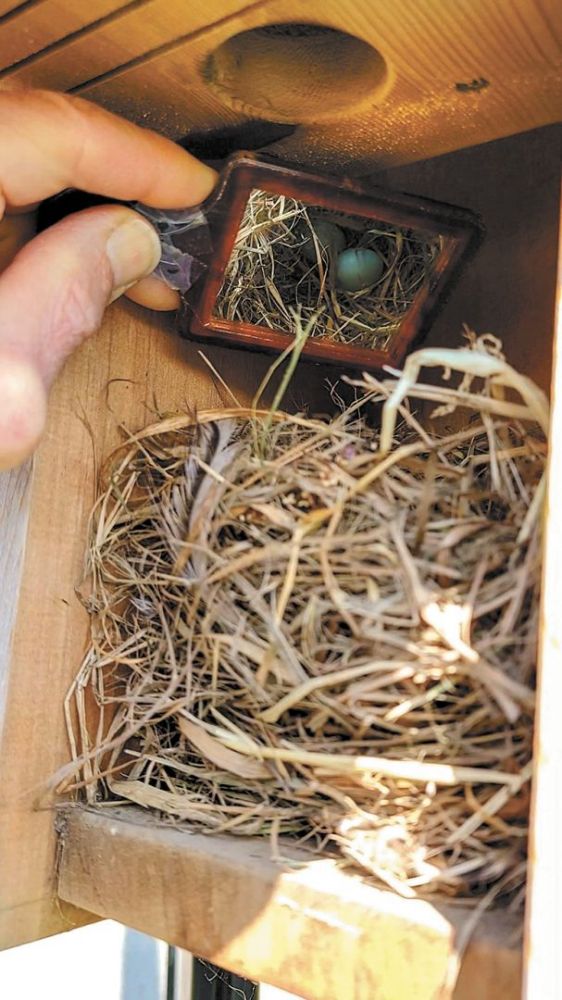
(451, 101)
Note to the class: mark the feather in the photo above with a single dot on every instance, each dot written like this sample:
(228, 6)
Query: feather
(218, 445)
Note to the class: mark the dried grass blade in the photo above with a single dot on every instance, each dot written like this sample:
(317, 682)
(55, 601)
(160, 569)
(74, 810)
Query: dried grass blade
(221, 756)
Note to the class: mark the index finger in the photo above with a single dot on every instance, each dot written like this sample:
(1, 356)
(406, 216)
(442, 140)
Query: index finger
(51, 141)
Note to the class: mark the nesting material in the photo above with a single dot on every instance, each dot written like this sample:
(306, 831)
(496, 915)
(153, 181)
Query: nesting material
(319, 630)
(279, 264)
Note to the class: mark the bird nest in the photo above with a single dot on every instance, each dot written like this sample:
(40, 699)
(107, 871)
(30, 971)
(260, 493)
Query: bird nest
(326, 630)
(278, 264)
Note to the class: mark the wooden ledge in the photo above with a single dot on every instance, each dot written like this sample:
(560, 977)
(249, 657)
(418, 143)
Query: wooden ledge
(312, 930)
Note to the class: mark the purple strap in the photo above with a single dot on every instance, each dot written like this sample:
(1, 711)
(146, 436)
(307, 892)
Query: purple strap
(186, 242)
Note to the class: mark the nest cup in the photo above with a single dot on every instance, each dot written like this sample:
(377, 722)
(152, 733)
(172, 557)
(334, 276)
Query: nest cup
(325, 630)
(265, 218)
(283, 260)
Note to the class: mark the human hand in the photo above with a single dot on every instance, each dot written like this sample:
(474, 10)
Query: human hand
(54, 290)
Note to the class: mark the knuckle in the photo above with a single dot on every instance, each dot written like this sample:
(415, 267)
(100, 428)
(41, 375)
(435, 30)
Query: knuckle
(76, 314)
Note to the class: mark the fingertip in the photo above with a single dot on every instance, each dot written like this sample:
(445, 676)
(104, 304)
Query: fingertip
(23, 411)
(154, 294)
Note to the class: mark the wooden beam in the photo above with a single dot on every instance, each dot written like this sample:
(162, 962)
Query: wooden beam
(313, 929)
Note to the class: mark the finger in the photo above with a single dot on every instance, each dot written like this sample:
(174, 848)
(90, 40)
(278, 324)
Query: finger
(50, 141)
(16, 231)
(52, 296)
(154, 294)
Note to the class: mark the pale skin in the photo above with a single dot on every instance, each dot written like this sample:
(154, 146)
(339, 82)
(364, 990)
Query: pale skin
(54, 287)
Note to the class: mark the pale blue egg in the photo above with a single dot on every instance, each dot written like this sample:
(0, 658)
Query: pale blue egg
(329, 237)
(358, 268)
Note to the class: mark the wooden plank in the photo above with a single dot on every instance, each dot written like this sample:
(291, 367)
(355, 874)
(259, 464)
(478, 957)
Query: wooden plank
(543, 976)
(14, 510)
(152, 368)
(9, 6)
(514, 185)
(114, 41)
(429, 47)
(312, 930)
(41, 24)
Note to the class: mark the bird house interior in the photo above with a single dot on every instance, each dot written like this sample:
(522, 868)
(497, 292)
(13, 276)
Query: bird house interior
(457, 103)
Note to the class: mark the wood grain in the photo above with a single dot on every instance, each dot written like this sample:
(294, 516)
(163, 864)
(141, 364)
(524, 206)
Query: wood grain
(8, 6)
(543, 967)
(105, 45)
(312, 930)
(456, 74)
(429, 47)
(510, 288)
(14, 510)
(132, 368)
(41, 24)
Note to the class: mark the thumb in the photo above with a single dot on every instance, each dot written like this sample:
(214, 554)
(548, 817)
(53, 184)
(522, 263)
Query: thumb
(52, 296)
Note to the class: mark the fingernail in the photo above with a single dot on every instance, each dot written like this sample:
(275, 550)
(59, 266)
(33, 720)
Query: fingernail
(134, 251)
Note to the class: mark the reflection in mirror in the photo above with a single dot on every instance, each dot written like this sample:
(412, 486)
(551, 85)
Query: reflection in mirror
(360, 276)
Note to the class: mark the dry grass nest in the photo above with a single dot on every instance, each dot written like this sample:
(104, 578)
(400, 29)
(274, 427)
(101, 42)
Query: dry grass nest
(319, 630)
(268, 276)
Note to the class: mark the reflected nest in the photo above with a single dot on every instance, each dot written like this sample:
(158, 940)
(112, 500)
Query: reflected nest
(268, 277)
(296, 635)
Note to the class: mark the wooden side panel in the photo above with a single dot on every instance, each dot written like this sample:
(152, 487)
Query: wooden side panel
(38, 25)
(311, 930)
(132, 368)
(509, 289)
(433, 50)
(116, 41)
(15, 490)
(543, 975)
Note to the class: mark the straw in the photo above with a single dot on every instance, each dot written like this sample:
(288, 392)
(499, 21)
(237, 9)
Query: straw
(299, 634)
(268, 275)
